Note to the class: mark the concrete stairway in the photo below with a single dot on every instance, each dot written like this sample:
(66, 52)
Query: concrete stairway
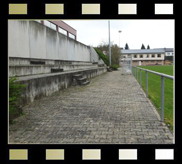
(80, 79)
(27, 67)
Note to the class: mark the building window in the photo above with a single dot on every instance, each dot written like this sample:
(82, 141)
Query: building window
(135, 56)
(147, 55)
(141, 56)
(50, 25)
(53, 26)
(152, 61)
(62, 31)
(47, 23)
(153, 55)
(158, 55)
(71, 36)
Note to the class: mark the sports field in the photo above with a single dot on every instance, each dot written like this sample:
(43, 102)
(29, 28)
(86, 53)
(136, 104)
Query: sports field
(154, 90)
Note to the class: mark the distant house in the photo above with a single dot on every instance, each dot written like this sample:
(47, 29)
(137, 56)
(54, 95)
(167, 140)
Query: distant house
(169, 52)
(145, 56)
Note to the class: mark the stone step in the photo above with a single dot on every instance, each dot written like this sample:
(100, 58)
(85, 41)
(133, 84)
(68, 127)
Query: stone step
(81, 79)
(77, 75)
(54, 70)
(85, 83)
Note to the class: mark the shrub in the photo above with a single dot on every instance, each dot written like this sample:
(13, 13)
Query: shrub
(102, 56)
(114, 66)
(15, 90)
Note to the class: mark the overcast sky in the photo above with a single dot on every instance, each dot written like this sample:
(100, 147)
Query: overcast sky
(155, 33)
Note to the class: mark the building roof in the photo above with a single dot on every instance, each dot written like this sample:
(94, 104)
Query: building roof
(143, 51)
(168, 49)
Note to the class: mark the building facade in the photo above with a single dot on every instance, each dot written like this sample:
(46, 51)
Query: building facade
(144, 57)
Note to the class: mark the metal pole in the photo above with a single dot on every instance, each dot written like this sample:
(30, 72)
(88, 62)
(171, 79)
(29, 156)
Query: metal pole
(146, 83)
(109, 45)
(119, 37)
(162, 98)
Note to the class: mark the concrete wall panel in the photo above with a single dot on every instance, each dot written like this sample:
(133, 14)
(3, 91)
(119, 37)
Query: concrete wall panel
(51, 44)
(71, 49)
(18, 38)
(62, 47)
(37, 39)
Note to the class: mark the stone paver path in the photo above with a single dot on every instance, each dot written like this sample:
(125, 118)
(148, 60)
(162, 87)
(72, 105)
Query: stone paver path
(111, 109)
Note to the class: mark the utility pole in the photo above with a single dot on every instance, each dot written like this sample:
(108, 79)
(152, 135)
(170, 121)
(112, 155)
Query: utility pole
(119, 37)
(109, 45)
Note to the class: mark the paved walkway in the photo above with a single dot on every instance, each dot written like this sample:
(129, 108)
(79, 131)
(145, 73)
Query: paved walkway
(111, 109)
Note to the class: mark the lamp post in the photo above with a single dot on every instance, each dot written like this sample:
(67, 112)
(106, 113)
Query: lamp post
(119, 36)
(109, 45)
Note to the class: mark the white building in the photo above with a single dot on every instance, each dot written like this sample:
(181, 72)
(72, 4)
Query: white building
(146, 56)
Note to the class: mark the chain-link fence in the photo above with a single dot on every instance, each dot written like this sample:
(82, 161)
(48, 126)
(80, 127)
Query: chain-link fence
(127, 65)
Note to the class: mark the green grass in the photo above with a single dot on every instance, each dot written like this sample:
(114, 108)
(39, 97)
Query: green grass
(154, 90)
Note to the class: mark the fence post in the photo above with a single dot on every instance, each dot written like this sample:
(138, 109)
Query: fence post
(146, 73)
(137, 74)
(162, 98)
(140, 77)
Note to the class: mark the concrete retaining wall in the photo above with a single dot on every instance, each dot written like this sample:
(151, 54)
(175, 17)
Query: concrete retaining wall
(44, 85)
(30, 39)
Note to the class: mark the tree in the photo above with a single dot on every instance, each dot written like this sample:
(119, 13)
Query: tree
(115, 51)
(115, 54)
(143, 47)
(126, 46)
(148, 47)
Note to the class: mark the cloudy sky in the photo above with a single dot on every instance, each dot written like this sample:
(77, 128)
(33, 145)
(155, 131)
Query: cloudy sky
(155, 33)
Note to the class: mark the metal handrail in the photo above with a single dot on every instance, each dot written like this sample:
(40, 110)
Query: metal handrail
(157, 73)
(135, 73)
